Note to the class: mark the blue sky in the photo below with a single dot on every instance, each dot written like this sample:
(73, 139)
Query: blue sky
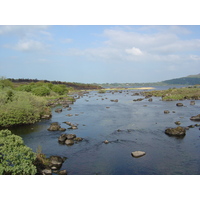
(98, 53)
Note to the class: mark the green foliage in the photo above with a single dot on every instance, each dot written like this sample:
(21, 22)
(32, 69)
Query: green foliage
(102, 91)
(177, 93)
(15, 157)
(18, 107)
(60, 89)
(5, 83)
(44, 89)
(41, 91)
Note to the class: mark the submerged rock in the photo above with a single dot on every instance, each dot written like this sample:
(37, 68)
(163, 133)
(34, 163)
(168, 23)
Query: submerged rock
(178, 131)
(138, 154)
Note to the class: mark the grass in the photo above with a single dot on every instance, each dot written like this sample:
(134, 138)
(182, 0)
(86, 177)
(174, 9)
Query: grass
(190, 93)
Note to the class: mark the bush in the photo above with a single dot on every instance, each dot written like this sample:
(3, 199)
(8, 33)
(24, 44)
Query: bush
(102, 91)
(5, 83)
(26, 88)
(60, 89)
(15, 157)
(41, 91)
(21, 108)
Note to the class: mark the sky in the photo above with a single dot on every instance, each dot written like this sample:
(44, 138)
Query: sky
(99, 53)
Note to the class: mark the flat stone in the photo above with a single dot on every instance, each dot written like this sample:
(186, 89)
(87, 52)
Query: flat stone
(69, 142)
(138, 154)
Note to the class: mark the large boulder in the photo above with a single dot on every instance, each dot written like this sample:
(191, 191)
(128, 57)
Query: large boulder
(62, 138)
(195, 118)
(55, 127)
(55, 162)
(138, 154)
(178, 131)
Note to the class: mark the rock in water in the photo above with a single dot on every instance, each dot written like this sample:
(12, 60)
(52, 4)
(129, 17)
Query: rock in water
(138, 154)
(166, 111)
(106, 141)
(195, 118)
(178, 131)
(69, 142)
(179, 104)
(54, 127)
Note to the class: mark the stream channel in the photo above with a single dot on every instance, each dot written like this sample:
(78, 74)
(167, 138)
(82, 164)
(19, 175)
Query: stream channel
(128, 126)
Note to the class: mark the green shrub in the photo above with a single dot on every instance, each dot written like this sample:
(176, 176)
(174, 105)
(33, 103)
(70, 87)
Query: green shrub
(15, 157)
(102, 91)
(41, 91)
(26, 88)
(23, 108)
(60, 89)
(5, 83)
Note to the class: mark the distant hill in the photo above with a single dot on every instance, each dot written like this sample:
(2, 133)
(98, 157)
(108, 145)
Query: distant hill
(188, 80)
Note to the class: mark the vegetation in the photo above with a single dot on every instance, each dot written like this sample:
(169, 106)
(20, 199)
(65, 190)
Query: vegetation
(192, 93)
(72, 85)
(20, 107)
(15, 157)
(44, 89)
(102, 91)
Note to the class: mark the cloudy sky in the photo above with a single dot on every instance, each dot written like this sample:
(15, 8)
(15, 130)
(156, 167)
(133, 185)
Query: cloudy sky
(98, 53)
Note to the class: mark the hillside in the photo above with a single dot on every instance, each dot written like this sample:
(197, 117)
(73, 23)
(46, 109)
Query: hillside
(188, 80)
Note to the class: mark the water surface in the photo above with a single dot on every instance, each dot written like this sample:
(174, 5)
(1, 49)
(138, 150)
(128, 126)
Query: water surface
(129, 126)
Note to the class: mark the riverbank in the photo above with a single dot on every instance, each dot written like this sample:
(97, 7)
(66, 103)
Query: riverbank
(172, 94)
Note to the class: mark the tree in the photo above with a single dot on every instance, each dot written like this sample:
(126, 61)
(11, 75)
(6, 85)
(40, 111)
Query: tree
(15, 157)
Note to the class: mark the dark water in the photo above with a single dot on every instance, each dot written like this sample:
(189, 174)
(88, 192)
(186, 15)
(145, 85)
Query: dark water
(129, 126)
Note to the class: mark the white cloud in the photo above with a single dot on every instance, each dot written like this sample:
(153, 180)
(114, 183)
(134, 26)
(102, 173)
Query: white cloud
(29, 45)
(21, 30)
(134, 51)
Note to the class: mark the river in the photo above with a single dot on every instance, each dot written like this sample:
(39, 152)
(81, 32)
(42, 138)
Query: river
(128, 126)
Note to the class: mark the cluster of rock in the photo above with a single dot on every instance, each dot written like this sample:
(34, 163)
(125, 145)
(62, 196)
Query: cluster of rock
(69, 139)
(49, 166)
(55, 127)
(65, 102)
(72, 126)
